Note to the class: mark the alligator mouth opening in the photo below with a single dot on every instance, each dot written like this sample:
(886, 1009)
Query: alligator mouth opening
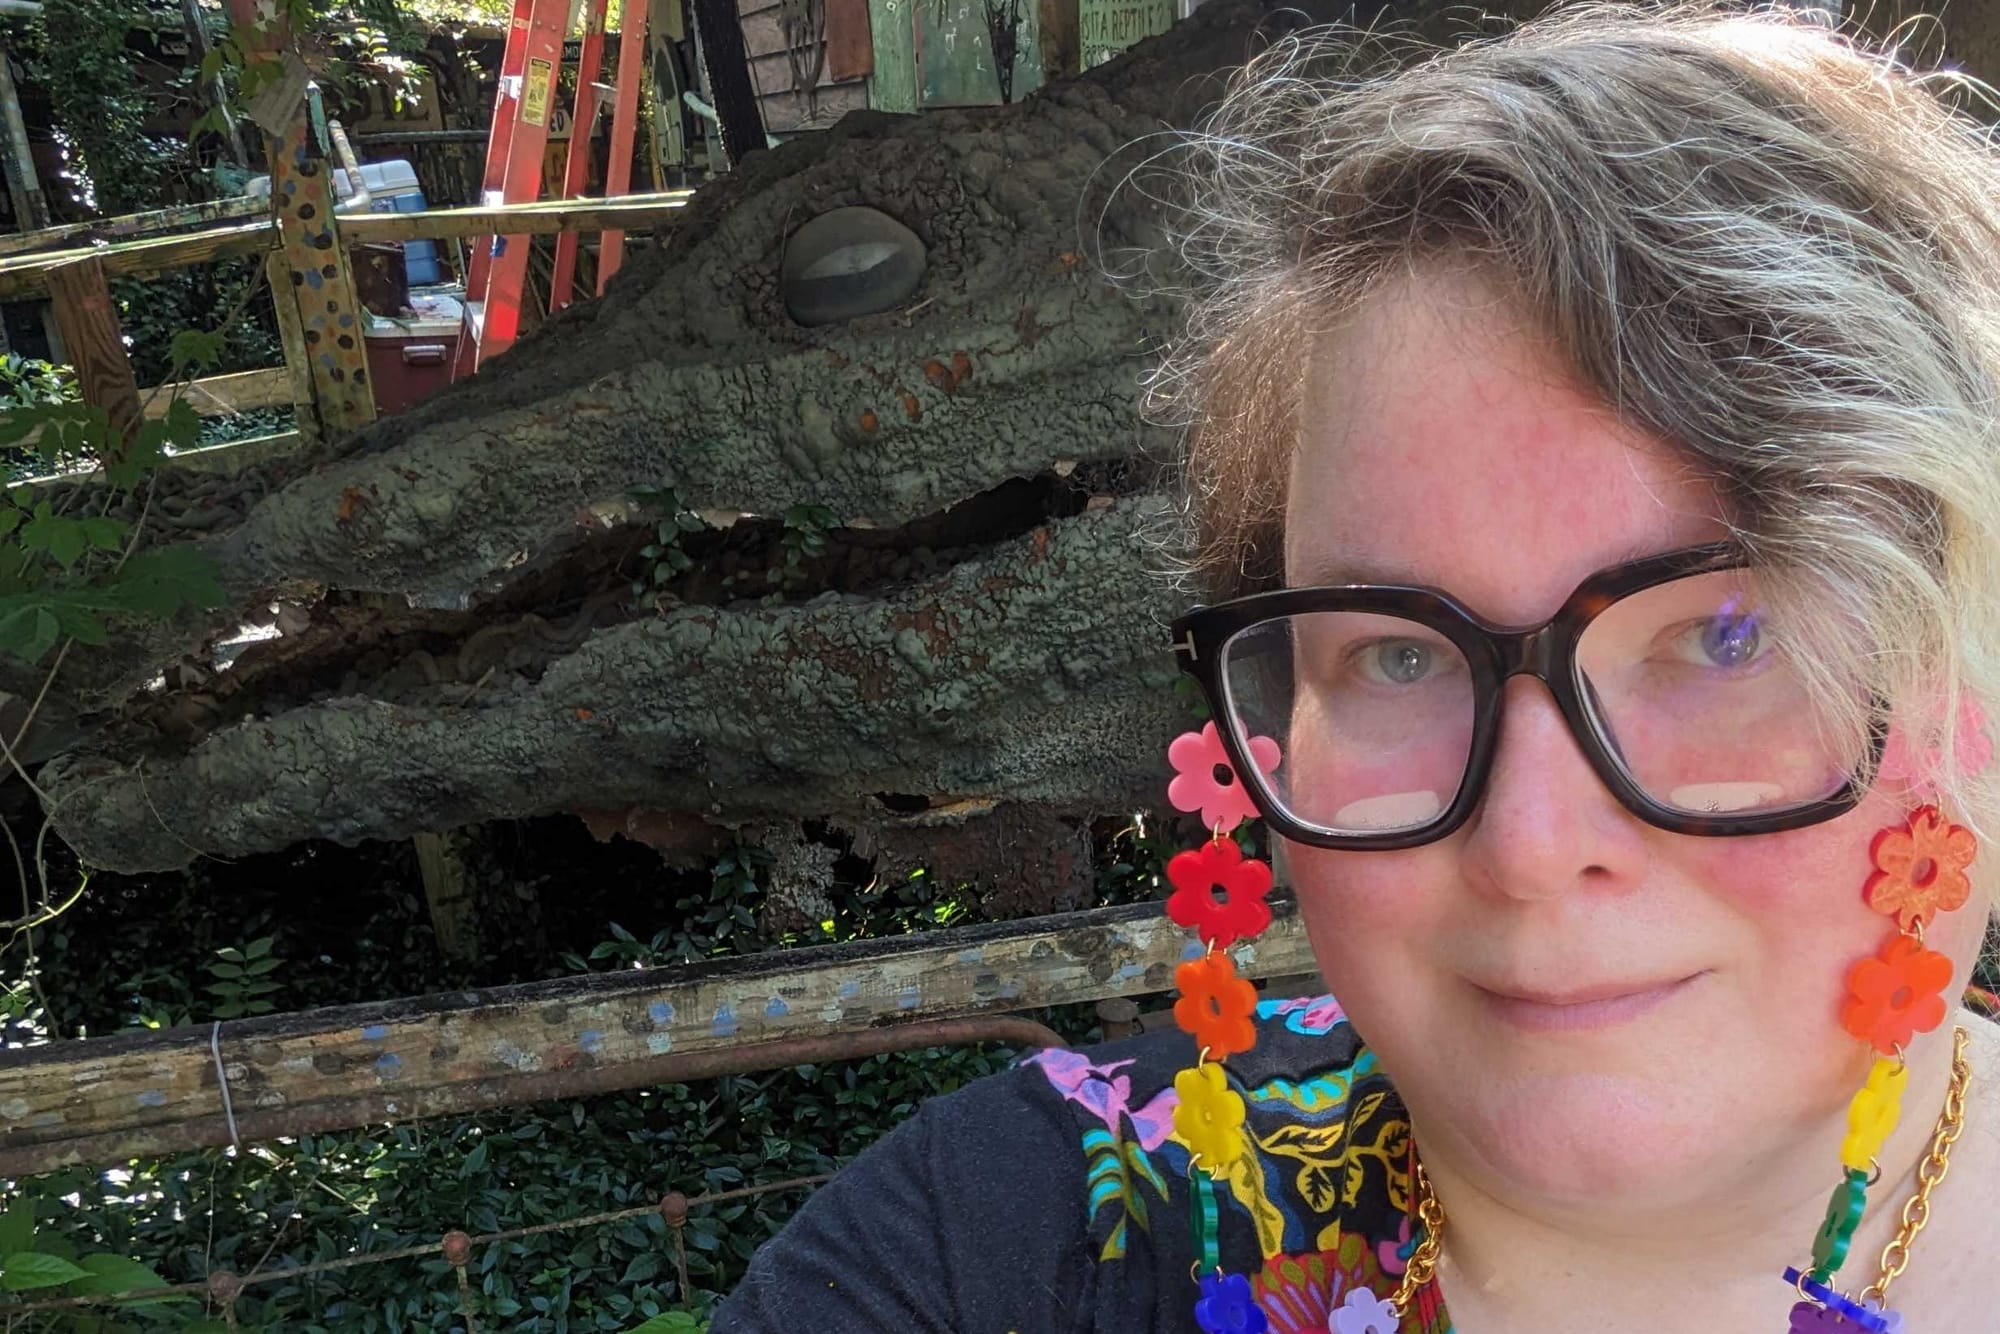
(377, 646)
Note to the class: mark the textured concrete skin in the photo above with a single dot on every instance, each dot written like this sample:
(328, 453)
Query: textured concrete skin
(1034, 672)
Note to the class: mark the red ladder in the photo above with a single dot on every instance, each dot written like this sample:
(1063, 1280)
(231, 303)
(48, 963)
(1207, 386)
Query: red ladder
(497, 274)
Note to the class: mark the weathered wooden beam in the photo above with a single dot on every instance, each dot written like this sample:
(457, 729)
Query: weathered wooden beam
(631, 213)
(27, 275)
(292, 340)
(132, 226)
(225, 395)
(92, 342)
(449, 894)
(106, 1099)
(322, 279)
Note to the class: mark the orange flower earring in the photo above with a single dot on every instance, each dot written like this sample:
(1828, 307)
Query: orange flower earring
(1919, 871)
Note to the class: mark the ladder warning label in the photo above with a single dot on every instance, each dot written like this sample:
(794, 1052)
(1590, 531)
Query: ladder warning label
(535, 96)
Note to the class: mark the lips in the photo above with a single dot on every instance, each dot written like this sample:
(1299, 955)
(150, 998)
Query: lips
(1581, 995)
(1598, 1005)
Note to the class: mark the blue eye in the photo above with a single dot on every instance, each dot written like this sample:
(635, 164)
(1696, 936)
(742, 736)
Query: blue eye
(1402, 662)
(1729, 639)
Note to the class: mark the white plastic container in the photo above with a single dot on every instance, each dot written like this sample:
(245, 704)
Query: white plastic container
(392, 188)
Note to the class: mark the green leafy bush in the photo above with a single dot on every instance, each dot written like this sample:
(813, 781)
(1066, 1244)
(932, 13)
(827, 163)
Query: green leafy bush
(28, 383)
(350, 924)
(64, 574)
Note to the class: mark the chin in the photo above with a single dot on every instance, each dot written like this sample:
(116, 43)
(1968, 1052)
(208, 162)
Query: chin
(1578, 1142)
(1667, 1113)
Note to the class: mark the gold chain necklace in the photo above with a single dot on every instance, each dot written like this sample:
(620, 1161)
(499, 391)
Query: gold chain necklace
(1895, 1256)
(1917, 1209)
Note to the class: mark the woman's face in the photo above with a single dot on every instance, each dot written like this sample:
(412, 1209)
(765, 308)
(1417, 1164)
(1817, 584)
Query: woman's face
(1575, 1004)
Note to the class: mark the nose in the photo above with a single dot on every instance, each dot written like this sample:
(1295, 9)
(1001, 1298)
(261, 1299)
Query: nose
(1546, 825)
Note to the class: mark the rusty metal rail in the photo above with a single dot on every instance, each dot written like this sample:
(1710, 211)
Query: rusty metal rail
(103, 1100)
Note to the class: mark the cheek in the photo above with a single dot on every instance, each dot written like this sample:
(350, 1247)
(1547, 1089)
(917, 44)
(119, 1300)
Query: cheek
(1370, 915)
(1801, 894)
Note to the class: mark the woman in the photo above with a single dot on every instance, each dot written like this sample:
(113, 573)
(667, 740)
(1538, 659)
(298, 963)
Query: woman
(1639, 852)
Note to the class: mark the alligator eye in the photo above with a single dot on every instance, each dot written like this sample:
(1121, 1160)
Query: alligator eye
(847, 263)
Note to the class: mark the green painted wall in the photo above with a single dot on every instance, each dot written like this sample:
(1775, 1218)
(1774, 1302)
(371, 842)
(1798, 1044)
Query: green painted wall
(893, 85)
(958, 54)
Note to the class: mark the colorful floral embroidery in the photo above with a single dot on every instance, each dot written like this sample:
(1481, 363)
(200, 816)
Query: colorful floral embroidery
(1308, 1016)
(1115, 1167)
(1393, 1253)
(1325, 1184)
(1107, 1093)
(1293, 1290)
(1315, 1097)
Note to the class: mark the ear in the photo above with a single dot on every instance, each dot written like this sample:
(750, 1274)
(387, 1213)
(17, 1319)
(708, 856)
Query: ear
(1972, 744)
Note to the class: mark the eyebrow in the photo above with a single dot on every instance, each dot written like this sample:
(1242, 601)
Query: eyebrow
(1336, 570)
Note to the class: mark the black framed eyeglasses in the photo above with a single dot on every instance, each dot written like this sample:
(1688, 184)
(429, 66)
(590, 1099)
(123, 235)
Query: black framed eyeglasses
(1385, 702)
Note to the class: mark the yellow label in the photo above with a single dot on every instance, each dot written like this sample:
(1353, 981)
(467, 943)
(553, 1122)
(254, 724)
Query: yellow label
(535, 94)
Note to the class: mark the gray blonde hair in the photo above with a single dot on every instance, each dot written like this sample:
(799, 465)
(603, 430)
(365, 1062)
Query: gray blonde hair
(1755, 237)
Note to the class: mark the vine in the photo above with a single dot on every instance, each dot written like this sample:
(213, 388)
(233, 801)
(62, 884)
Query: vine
(82, 61)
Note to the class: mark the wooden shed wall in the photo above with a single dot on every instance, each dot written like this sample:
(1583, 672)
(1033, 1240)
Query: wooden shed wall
(785, 111)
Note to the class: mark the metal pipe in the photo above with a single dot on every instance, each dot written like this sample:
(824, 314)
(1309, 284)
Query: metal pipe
(358, 199)
(389, 1104)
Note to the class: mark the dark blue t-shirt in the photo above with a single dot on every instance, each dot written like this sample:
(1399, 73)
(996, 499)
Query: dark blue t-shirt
(1054, 1199)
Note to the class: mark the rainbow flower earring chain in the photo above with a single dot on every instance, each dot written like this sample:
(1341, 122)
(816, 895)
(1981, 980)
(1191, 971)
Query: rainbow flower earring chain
(1894, 994)
(1221, 894)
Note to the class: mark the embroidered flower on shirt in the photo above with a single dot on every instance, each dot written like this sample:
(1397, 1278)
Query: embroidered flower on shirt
(1896, 994)
(1308, 1016)
(1920, 868)
(1219, 865)
(1107, 1093)
(1293, 1291)
(1206, 781)
(1393, 1253)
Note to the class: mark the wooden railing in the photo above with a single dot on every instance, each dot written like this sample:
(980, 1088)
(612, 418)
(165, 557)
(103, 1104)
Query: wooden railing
(72, 265)
(107, 1099)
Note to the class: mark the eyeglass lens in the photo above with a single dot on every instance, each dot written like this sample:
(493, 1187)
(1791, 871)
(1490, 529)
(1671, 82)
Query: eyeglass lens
(1687, 684)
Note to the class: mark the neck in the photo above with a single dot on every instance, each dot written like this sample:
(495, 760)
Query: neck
(1514, 1262)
